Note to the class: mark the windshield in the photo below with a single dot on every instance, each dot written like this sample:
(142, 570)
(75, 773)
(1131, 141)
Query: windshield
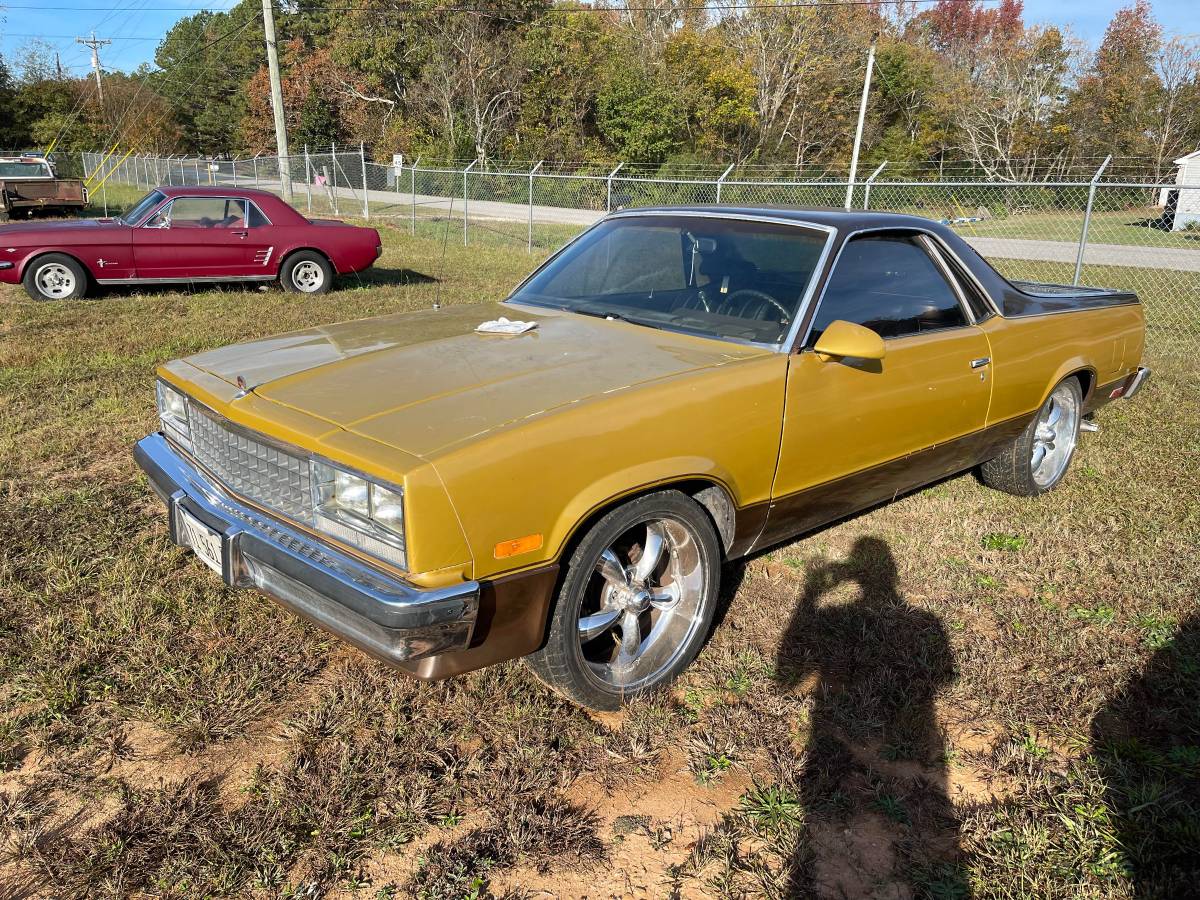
(141, 208)
(738, 279)
(25, 170)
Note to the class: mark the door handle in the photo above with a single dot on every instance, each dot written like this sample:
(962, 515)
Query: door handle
(241, 234)
(981, 362)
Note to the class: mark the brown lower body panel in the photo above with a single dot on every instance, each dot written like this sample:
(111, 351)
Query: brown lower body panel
(511, 623)
(821, 504)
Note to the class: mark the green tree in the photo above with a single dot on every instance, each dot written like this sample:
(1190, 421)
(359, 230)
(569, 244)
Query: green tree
(206, 60)
(318, 121)
(640, 116)
(1112, 110)
(12, 131)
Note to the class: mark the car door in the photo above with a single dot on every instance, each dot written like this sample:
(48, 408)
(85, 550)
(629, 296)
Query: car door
(194, 238)
(859, 431)
(261, 259)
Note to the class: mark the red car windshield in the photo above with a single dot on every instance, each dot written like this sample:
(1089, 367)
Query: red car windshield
(141, 209)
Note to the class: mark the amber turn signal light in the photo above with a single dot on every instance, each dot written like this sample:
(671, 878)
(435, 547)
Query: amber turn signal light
(517, 546)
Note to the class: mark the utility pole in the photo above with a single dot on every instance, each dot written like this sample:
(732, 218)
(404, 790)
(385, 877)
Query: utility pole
(95, 45)
(862, 115)
(281, 145)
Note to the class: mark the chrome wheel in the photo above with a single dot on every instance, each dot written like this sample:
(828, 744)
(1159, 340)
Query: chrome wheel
(1054, 436)
(642, 604)
(308, 276)
(54, 280)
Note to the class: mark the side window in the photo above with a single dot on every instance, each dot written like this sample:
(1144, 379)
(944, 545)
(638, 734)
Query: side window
(256, 218)
(889, 284)
(207, 212)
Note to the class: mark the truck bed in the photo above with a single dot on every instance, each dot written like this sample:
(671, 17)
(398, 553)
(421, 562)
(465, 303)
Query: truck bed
(17, 195)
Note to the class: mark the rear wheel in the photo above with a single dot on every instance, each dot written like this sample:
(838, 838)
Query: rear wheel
(636, 602)
(1038, 459)
(306, 272)
(55, 276)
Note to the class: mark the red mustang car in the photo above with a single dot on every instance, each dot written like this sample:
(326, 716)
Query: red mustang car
(186, 234)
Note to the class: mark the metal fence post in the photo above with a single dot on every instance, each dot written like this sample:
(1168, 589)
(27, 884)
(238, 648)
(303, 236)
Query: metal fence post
(532, 172)
(307, 178)
(362, 157)
(333, 175)
(720, 180)
(254, 162)
(465, 201)
(870, 181)
(416, 162)
(1087, 218)
(233, 166)
(608, 203)
(196, 165)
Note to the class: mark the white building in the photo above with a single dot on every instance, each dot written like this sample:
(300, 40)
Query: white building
(1187, 203)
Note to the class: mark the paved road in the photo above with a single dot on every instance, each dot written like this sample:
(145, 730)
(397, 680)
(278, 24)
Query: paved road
(1095, 254)
(399, 204)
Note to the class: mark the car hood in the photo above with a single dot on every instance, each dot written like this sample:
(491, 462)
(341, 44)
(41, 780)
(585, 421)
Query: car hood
(27, 230)
(424, 381)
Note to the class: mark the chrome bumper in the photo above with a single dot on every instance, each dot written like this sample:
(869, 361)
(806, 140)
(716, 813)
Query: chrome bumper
(1135, 382)
(383, 616)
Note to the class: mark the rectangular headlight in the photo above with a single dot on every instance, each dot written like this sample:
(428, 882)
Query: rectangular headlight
(358, 511)
(173, 414)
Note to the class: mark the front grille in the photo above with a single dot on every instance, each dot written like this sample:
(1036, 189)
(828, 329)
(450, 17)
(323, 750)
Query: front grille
(256, 470)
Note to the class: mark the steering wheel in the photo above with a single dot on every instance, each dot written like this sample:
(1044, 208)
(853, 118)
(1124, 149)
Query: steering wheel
(762, 297)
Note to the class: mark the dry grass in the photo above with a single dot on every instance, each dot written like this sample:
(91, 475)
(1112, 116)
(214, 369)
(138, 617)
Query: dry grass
(960, 694)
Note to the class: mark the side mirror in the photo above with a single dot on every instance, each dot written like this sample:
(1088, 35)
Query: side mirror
(842, 340)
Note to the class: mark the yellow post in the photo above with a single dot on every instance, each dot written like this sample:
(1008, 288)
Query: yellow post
(103, 160)
(110, 172)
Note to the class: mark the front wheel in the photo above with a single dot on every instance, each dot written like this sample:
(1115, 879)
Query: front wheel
(636, 602)
(1037, 460)
(55, 276)
(306, 272)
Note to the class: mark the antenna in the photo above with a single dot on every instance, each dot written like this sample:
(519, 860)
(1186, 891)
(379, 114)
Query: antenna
(95, 45)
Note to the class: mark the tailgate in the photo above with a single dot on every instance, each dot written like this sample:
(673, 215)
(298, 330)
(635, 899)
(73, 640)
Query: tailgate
(57, 190)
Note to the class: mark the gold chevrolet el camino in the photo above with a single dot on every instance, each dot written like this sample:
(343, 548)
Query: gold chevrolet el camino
(698, 384)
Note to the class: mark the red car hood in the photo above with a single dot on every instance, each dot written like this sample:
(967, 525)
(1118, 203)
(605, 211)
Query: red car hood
(24, 231)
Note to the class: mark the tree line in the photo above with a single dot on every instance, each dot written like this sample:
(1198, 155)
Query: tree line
(664, 84)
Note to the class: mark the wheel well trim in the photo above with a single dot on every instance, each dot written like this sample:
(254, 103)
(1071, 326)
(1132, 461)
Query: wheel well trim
(34, 257)
(292, 251)
(1084, 372)
(722, 505)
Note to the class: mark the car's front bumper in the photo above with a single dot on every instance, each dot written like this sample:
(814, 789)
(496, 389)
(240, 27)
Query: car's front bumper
(385, 616)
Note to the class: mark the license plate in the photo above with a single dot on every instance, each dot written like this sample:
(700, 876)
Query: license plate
(205, 542)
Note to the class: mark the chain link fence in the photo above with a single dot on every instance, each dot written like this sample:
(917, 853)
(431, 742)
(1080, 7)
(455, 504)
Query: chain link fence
(1120, 234)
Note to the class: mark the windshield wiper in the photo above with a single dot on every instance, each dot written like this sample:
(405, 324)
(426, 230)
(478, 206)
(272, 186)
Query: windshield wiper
(611, 314)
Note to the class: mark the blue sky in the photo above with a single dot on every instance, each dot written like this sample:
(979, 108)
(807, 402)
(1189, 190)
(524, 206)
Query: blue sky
(136, 26)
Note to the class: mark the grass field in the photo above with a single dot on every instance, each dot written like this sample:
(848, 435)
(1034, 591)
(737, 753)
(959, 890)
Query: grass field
(1130, 226)
(960, 694)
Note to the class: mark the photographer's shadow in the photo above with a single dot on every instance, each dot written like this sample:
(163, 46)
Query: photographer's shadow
(872, 777)
(1146, 744)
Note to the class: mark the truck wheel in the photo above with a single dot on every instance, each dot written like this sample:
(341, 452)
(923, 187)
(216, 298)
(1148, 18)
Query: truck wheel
(55, 276)
(306, 272)
(636, 602)
(1037, 460)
